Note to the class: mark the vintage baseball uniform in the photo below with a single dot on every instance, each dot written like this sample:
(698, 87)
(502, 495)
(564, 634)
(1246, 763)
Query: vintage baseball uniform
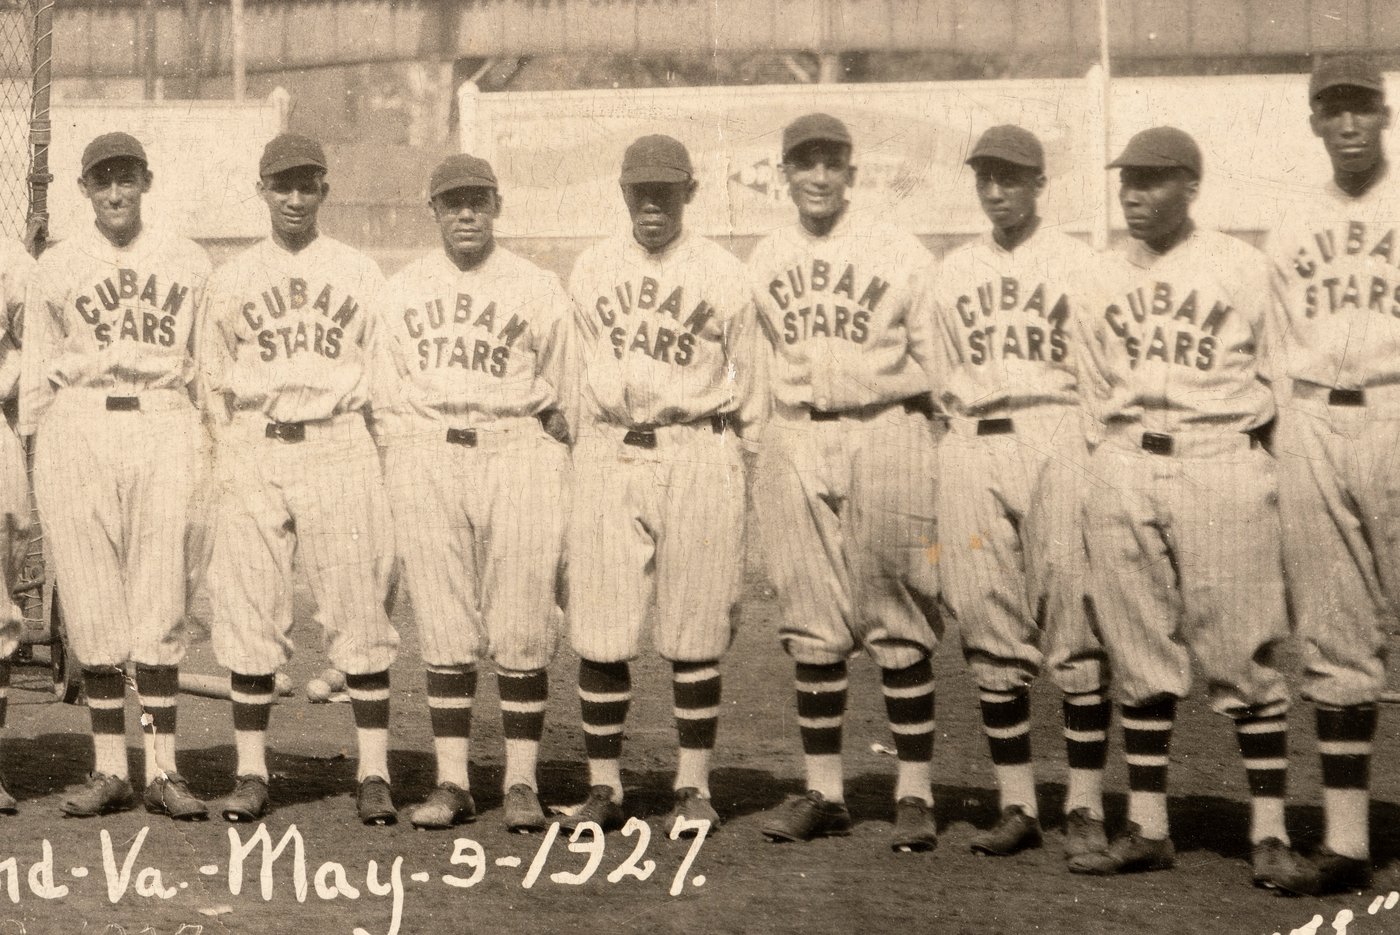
(1339, 428)
(105, 389)
(1013, 466)
(1183, 538)
(16, 267)
(476, 486)
(846, 479)
(667, 341)
(291, 344)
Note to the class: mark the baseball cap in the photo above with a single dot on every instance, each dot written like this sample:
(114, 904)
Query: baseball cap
(1012, 144)
(656, 158)
(1345, 70)
(1162, 148)
(112, 146)
(811, 127)
(461, 170)
(290, 151)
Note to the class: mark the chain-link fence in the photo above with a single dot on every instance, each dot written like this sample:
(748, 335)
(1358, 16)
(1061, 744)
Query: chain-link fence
(26, 28)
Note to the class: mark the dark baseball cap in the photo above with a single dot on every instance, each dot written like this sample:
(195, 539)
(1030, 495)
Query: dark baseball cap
(812, 127)
(461, 171)
(656, 158)
(1345, 70)
(1161, 148)
(113, 146)
(290, 151)
(1012, 144)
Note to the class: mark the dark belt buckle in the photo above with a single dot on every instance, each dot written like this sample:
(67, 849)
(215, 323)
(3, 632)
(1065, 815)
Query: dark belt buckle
(819, 415)
(719, 423)
(123, 403)
(995, 427)
(287, 431)
(920, 405)
(640, 438)
(1157, 443)
(1346, 398)
(464, 437)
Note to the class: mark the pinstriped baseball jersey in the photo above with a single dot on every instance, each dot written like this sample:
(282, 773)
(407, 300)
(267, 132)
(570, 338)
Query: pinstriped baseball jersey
(837, 311)
(667, 337)
(107, 363)
(486, 350)
(16, 271)
(16, 267)
(668, 340)
(295, 338)
(1008, 509)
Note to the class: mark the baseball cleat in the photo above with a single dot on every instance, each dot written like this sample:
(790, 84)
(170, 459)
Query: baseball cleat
(374, 803)
(598, 807)
(447, 805)
(692, 806)
(8, 805)
(248, 801)
(100, 795)
(169, 794)
(1130, 852)
(803, 817)
(523, 812)
(1327, 872)
(1084, 834)
(914, 828)
(1015, 831)
(1278, 867)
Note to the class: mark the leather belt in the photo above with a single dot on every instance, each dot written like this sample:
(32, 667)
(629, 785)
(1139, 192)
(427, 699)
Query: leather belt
(921, 404)
(995, 427)
(646, 437)
(464, 437)
(286, 431)
(1339, 397)
(123, 403)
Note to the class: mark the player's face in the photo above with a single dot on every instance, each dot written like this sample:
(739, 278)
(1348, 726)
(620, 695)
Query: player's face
(294, 199)
(657, 210)
(818, 174)
(1350, 121)
(1156, 201)
(115, 188)
(466, 218)
(1008, 192)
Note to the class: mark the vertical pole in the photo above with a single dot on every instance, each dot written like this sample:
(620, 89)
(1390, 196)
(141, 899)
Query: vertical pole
(150, 64)
(239, 52)
(469, 137)
(1103, 80)
(36, 232)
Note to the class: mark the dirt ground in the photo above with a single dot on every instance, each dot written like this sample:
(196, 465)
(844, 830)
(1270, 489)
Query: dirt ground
(737, 882)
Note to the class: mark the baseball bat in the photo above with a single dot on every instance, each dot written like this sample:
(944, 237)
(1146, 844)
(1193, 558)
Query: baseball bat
(1390, 697)
(217, 686)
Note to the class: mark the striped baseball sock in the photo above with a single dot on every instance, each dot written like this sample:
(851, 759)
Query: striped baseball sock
(4, 691)
(695, 687)
(252, 697)
(106, 699)
(369, 701)
(158, 687)
(1263, 739)
(524, 697)
(909, 701)
(604, 694)
(1147, 738)
(1087, 716)
(1345, 736)
(451, 691)
(1006, 719)
(821, 712)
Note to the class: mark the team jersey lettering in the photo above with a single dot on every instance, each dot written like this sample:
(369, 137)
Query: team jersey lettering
(1183, 333)
(1008, 298)
(297, 337)
(1340, 291)
(822, 316)
(651, 337)
(489, 352)
(132, 309)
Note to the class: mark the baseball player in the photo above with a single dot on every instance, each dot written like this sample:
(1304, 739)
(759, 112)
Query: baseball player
(846, 477)
(476, 483)
(1339, 422)
(667, 338)
(1010, 473)
(106, 381)
(290, 350)
(1183, 540)
(16, 266)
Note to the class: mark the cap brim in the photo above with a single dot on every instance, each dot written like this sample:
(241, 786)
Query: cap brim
(278, 166)
(1362, 84)
(1145, 162)
(1022, 161)
(134, 157)
(645, 174)
(815, 138)
(452, 186)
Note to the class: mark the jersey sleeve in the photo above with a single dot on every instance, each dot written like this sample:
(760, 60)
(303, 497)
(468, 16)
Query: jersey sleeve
(213, 354)
(386, 396)
(918, 323)
(744, 354)
(43, 304)
(558, 356)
